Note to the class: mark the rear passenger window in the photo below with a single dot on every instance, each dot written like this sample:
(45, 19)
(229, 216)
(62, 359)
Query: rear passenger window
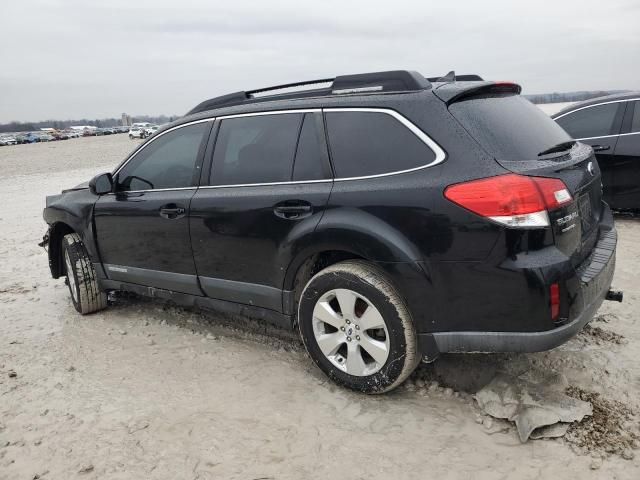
(372, 143)
(256, 149)
(310, 163)
(635, 122)
(590, 122)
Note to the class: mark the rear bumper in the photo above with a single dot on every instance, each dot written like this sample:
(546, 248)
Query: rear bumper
(594, 278)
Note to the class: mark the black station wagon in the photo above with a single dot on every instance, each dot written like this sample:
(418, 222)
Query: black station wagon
(611, 125)
(387, 216)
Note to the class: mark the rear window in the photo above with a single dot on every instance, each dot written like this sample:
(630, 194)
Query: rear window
(508, 127)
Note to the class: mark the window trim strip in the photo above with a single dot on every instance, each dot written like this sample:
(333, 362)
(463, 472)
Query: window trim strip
(597, 105)
(609, 136)
(440, 154)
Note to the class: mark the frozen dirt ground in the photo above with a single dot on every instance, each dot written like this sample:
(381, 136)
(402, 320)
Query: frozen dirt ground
(145, 390)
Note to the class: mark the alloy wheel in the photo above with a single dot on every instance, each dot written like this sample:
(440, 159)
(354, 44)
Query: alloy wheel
(351, 332)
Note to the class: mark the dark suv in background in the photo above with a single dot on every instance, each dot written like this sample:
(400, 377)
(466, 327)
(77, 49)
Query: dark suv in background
(611, 125)
(387, 216)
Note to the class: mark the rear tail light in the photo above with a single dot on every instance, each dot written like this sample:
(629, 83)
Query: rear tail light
(554, 296)
(512, 200)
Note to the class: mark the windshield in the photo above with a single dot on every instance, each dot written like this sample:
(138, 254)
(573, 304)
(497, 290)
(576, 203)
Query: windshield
(509, 127)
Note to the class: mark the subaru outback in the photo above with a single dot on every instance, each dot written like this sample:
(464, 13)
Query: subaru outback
(386, 216)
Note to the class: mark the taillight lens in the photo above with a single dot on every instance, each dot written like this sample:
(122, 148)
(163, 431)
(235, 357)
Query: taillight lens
(512, 200)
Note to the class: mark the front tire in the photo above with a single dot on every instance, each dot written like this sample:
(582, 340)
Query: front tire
(81, 276)
(357, 328)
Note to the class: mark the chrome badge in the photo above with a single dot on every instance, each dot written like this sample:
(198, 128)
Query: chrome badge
(590, 169)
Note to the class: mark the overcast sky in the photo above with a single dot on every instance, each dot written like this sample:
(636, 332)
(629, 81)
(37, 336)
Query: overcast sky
(69, 59)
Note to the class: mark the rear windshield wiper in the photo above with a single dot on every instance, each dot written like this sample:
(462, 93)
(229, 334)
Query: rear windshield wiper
(561, 147)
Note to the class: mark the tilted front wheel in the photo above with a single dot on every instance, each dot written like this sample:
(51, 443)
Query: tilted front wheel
(357, 328)
(81, 276)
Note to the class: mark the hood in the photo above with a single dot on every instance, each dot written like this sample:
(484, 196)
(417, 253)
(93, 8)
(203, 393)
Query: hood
(80, 186)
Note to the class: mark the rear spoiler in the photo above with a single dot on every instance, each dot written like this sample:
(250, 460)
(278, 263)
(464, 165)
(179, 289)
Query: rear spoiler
(455, 92)
(452, 77)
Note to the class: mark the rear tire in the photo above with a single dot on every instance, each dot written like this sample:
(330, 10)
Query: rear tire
(372, 346)
(81, 276)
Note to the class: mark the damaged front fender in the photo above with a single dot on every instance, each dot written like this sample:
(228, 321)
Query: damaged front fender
(69, 212)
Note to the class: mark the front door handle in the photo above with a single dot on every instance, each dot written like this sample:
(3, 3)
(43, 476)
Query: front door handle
(171, 211)
(600, 148)
(293, 211)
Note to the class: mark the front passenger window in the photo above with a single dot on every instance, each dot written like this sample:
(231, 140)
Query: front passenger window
(166, 162)
(590, 122)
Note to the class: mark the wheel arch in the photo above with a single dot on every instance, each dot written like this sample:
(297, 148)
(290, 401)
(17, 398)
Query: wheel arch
(57, 231)
(70, 212)
(363, 237)
(345, 234)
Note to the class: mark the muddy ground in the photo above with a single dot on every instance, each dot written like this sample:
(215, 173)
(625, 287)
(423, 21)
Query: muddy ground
(145, 390)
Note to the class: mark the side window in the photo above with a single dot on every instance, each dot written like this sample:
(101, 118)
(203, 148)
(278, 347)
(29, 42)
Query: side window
(167, 162)
(310, 162)
(258, 149)
(635, 122)
(590, 122)
(371, 143)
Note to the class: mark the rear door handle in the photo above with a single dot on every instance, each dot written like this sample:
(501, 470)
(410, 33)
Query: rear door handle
(293, 211)
(171, 211)
(600, 148)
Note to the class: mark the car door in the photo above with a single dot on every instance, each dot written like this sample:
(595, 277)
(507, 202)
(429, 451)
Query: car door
(627, 158)
(598, 125)
(268, 186)
(142, 229)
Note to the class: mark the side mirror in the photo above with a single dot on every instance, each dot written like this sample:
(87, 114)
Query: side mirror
(101, 184)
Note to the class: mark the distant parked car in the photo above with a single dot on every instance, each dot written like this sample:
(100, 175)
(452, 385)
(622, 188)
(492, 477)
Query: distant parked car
(136, 132)
(60, 136)
(8, 140)
(611, 125)
(45, 137)
(73, 134)
(28, 138)
(150, 130)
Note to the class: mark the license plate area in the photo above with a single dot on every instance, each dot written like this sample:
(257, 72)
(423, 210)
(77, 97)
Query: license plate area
(586, 213)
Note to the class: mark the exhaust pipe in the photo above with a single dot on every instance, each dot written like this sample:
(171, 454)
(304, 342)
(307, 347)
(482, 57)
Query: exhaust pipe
(614, 295)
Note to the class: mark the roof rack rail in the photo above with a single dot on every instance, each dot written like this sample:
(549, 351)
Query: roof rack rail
(251, 93)
(391, 81)
(452, 77)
